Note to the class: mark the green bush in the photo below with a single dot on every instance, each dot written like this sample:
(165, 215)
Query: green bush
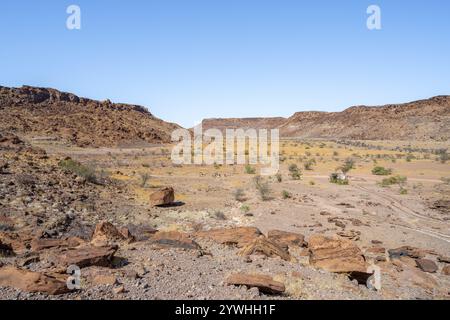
(286, 195)
(249, 169)
(263, 188)
(295, 172)
(381, 171)
(80, 170)
(400, 180)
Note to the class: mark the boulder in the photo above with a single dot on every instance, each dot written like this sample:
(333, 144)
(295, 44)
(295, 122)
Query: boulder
(42, 244)
(286, 239)
(86, 256)
(164, 196)
(336, 255)
(33, 281)
(427, 265)
(266, 247)
(19, 242)
(106, 233)
(240, 236)
(264, 283)
(173, 239)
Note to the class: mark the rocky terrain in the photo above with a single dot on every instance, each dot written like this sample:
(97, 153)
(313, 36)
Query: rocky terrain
(109, 216)
(419, 120)
(48, 114)
(195, 240)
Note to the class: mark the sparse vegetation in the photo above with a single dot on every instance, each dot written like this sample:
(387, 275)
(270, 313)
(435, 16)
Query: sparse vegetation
(144, 178)
(286, 195)
(279, 177)
(80, 170)
(239, 195)
(400, 180)
(263, 188)
(249, 169)
(295, 172)
(245, 208)
(381, 171)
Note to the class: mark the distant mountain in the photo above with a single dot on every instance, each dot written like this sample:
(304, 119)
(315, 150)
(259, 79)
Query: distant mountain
(44, 112)
(420, 120)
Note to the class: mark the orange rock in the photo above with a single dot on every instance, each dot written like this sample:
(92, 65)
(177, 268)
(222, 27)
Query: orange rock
(336, 254)
(106, 233)
(162, 197)
(264, 283)
(33, 281)
(264, 246)
(240, 236)
(86, 256)
(286, 239)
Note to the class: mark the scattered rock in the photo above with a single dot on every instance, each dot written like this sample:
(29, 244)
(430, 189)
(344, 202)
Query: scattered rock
(33, 281)
(264, 283)
(42, 244)
(287, 239)
(104, 279)
(336, 255)
(106, 233)
(266, 247)
(427, 265)
(86, 256)
(164, 196)
(412, 252)
(119, 290)
(173, 239)
(240, 236)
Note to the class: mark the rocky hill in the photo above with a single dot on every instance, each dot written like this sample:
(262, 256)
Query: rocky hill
(51, 114)
(420, 120)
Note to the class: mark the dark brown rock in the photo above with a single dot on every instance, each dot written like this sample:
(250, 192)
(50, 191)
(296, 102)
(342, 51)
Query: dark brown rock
(86, 256)
(173, 239)
(427, 265)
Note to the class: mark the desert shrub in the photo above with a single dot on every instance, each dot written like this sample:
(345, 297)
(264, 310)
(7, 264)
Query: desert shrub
(239, 195)
(219, 215)
(381, 171)
(410, 157)
(295, 172)
(263, 188)
(400, 180)
(348, 165)
(312, 183)
(249, 169)
(144, 178)
(335, 153)
(285, 194)
(245, 208)
(309, 164)
(279, 177)
(335, 178)
(443, 156)
(79, 169)
(403, 191)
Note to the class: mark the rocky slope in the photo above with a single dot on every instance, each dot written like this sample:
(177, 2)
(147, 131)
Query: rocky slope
(51, 114)
(420, 120)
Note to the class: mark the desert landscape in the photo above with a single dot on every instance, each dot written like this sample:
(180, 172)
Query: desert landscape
(91, 184)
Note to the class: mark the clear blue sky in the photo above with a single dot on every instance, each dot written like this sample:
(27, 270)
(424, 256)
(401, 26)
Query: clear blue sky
(191, 59)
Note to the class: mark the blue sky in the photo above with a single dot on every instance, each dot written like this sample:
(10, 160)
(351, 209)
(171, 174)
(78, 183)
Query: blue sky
(192, 59)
